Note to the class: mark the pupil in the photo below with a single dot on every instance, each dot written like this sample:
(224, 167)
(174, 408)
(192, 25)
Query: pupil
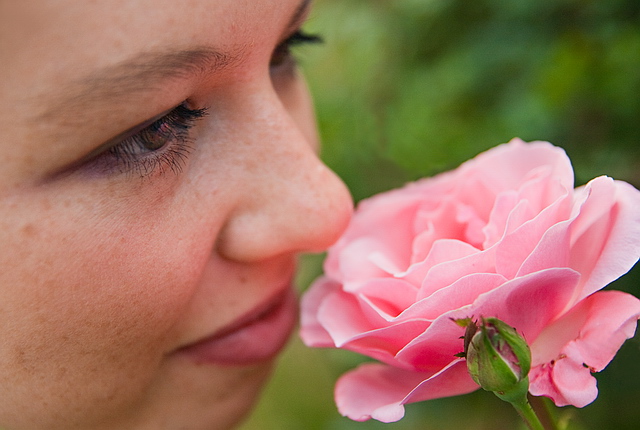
(158, 137)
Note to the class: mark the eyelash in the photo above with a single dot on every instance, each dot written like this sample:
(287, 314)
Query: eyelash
(165, 143)
(282, 54)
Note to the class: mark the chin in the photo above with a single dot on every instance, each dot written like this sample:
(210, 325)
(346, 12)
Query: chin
(191, 399)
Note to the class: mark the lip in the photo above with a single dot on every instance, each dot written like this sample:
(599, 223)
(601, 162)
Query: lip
(253, 338)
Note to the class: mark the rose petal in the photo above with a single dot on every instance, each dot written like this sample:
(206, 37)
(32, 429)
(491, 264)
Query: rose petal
(395, 210)
(606, 238)
(443, 274)
(356, 265)
(527, 303)
(567, 382)
(383, 344)
(461, 293)
(387, 297)
(439, 223)
(508, 167)
(495, 229)
(340, 315)
(584, 340)
(598, 326)
(444, 251)
(475, 191)
(379, 391)
(521, 240)
(311, 331)
(551, 251)
(510, 163)
(612, 319)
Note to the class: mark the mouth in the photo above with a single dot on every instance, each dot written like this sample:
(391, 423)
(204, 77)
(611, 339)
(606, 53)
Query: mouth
(256, 337)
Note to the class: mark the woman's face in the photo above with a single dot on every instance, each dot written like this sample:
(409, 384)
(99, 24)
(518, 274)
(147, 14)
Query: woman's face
(157, 176)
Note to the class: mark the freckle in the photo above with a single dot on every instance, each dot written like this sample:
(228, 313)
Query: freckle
(46, 205)
(66, 203)
(20, 356)
(28, 230)
(22, 362)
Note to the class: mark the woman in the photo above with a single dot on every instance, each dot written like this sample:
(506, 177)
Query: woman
(158, 177)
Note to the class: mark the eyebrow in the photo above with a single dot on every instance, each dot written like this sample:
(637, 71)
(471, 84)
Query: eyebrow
(144, 73)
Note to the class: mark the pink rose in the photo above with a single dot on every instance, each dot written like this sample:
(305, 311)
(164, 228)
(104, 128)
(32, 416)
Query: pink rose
(505, 235)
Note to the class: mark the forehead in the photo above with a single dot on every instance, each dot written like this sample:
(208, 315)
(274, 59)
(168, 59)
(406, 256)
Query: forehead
(50, 39)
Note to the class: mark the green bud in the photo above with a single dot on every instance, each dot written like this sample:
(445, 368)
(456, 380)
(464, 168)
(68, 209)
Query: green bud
(498, 358)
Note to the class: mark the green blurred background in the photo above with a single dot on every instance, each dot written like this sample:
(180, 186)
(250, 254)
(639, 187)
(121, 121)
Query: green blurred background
(409, 88)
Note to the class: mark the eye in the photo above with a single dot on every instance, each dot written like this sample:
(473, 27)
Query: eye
(156, 145)
(282, 55)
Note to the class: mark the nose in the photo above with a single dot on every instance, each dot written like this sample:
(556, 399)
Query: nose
(289, 200)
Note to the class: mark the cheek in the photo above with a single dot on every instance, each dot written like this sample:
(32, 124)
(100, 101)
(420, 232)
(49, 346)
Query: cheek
(88, 303)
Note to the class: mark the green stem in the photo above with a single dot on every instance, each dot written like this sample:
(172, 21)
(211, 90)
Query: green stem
(518, 397)
(547, 413)
(527, 413)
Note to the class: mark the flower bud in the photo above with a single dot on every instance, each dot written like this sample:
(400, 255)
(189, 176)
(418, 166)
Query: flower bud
(498, 358)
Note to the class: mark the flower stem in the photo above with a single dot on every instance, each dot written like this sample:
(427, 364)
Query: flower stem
(528, 415)
(518, 397)
(547, 413)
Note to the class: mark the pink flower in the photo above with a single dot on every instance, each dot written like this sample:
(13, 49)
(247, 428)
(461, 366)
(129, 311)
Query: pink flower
(505, 235)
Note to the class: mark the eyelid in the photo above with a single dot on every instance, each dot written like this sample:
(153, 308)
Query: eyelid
(282, 53)
(163, 144)
(300, 16)
(129, 137)
(125, 135)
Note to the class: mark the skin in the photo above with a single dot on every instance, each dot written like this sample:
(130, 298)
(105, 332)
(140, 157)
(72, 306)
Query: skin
(105, 272)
